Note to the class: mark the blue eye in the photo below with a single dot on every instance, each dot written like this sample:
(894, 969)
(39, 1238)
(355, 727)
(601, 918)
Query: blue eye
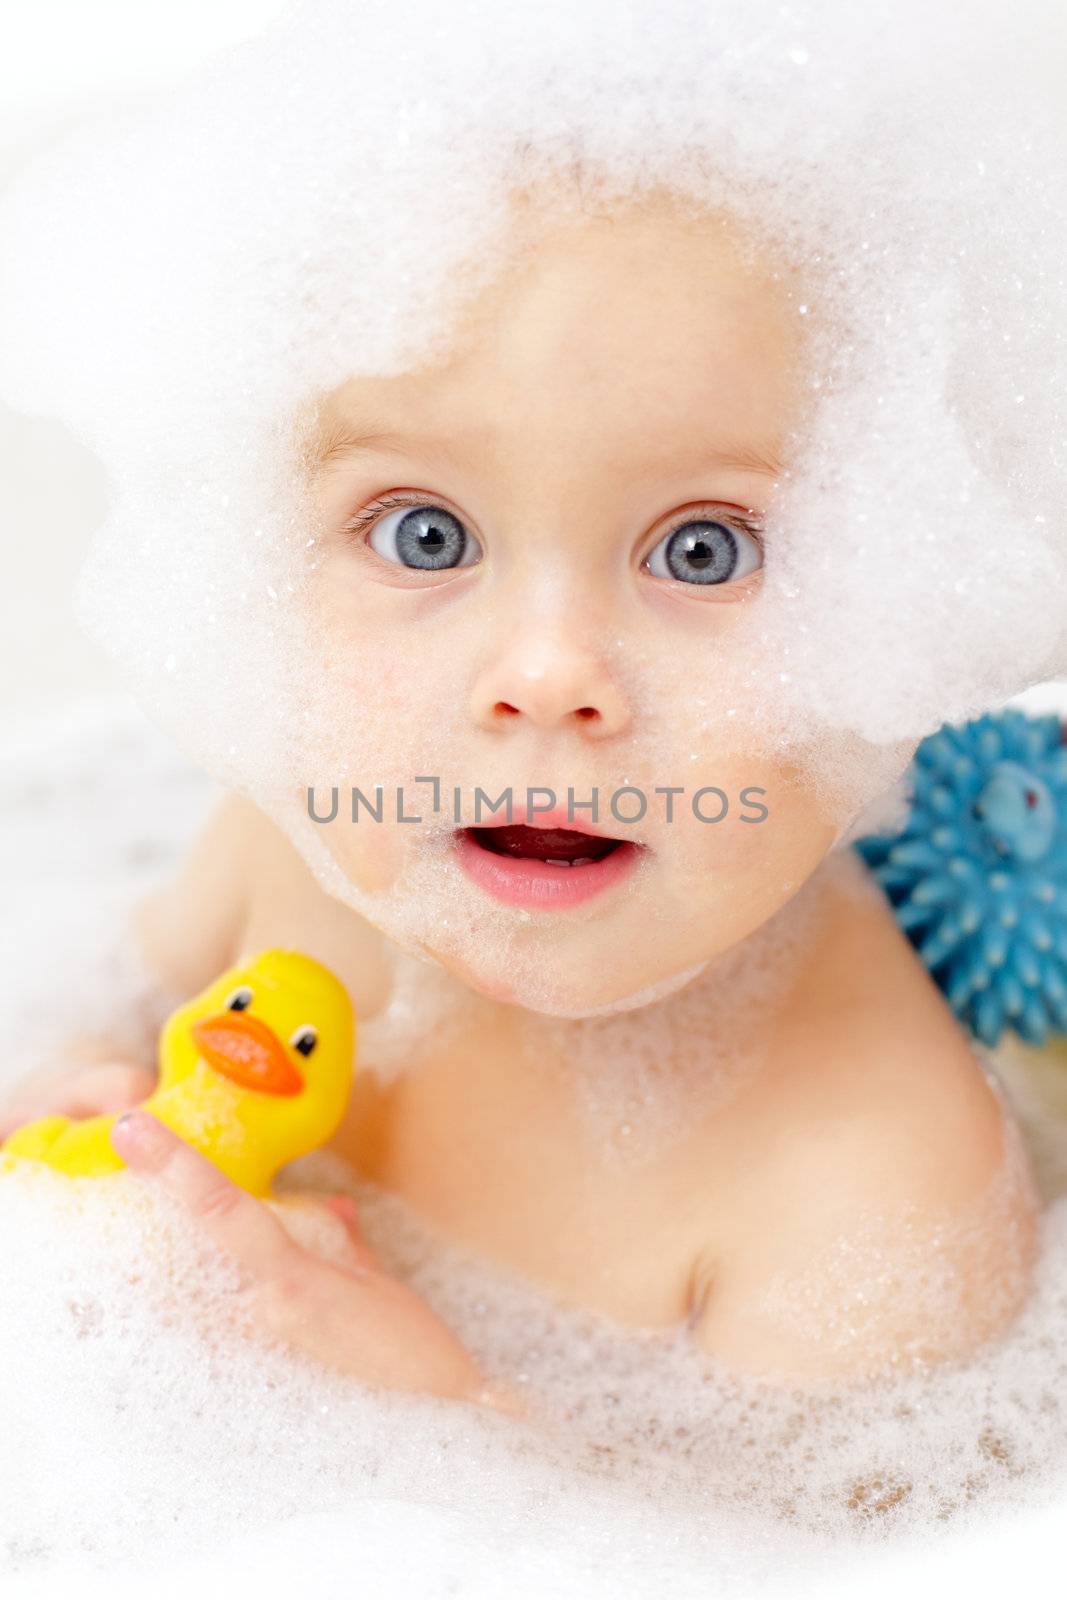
(426, 538)
(705, 551)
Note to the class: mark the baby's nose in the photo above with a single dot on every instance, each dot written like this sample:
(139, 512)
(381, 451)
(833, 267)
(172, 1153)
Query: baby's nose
(550, 684)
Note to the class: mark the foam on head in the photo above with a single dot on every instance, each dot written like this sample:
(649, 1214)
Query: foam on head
(326, 201)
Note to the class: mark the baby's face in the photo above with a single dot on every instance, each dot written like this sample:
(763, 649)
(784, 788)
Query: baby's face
(542, 558)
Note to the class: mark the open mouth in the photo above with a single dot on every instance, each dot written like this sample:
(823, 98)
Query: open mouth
(561, 847)
(547, 867)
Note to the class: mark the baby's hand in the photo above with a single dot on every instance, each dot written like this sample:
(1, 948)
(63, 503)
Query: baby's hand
(354, 1318)
(90, 1082)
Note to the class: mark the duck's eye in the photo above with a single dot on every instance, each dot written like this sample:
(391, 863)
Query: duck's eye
(424, 537)
(240, 999)
(304, 1040)
(705, 551)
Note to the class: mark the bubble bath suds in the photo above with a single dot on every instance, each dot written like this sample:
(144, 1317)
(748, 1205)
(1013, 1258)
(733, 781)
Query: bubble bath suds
(181, 288)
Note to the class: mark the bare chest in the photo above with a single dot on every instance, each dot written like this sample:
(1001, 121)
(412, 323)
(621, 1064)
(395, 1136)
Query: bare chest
(506, 1133)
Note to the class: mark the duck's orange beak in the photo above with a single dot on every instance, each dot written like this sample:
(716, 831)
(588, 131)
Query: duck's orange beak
(247, 1052)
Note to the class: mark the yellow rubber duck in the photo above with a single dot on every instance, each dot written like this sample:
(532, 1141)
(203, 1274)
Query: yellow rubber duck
(253, 1072)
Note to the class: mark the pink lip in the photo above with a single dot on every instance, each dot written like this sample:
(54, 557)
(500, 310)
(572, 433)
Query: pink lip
(535, 884)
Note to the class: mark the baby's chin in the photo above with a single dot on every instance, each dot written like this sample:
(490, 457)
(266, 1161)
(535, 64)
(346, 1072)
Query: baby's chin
(564, 994)
(596, 966)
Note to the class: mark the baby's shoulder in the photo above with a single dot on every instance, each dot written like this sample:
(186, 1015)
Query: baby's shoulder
(883, 1079)
(909, 1121)
(242, 886)
(898, 1223)
(905, 1101)
(888, 1211)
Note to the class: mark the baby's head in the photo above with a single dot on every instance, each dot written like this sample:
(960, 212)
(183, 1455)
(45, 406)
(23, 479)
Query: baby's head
(726, 425)
(539, 564)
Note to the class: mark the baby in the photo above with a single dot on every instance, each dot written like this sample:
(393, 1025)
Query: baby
(528, 536)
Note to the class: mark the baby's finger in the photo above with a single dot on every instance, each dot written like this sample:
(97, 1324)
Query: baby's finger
(238, 1223)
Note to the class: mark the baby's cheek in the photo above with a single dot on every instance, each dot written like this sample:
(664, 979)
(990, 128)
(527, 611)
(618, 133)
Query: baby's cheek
(753, 829)
(370, 854)
(377, 672)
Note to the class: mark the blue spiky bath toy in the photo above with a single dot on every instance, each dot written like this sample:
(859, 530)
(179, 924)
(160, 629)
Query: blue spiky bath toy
(978, 876)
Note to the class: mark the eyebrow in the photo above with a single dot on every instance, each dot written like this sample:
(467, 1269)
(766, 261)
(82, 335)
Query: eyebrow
(768, 461)
(343, 440)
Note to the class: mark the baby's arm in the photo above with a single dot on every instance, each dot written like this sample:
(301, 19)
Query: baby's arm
(347, 1314)
(184, 934)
